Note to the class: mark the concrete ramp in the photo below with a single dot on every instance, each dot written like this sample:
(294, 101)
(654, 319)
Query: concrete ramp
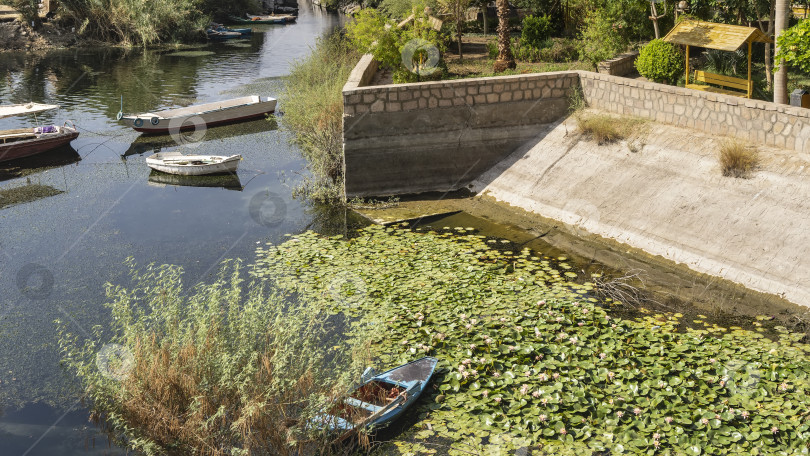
(662, 191)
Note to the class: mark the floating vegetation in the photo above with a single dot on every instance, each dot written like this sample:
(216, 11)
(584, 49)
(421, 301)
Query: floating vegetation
(26, 194)
(531, 360)
(190, 54)
(238, 44)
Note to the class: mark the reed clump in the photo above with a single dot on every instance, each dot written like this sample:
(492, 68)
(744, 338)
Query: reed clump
(737, 159)
(224, 369)
(313, 111)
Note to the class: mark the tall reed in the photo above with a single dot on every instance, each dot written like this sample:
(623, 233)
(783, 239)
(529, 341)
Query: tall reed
(313, 111)
(226, 368)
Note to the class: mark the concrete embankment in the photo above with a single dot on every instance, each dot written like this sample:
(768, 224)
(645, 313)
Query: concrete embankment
(663, 192)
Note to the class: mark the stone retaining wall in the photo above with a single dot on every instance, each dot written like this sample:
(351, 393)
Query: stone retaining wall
(438, 136)
(753, 121)
(620, 65)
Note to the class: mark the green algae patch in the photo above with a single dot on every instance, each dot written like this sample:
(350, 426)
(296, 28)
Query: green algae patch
(26, 194)
(190, 54)
(530, 359)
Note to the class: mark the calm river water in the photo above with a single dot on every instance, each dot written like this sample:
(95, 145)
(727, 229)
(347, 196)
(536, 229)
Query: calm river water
(57, 252)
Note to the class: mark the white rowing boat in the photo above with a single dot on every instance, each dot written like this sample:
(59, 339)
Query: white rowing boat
(25, 108)
(200, 116)
(193, 165)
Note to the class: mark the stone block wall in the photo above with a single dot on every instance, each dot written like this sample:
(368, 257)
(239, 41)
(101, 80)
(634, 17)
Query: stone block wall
(753, 121)
(439, 136)
(620, 65)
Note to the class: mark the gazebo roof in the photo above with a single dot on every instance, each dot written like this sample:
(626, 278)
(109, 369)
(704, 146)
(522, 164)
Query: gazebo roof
(715, 36)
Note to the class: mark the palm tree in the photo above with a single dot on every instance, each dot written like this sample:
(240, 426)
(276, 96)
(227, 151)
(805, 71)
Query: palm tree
(780, 94)
(505, 59)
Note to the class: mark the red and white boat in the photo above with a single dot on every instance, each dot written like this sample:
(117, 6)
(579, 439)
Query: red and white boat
(200, 116)
(25, 142)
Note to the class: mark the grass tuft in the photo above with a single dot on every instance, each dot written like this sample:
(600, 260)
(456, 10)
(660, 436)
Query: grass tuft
(737, 159)
(605, 129)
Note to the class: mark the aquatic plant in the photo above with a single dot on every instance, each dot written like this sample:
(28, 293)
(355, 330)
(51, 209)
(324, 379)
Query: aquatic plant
(226, 368)
(313, 111)
(530, 358)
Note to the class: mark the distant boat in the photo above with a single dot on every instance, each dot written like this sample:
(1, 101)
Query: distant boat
(221, 28)
(25, 142)
(192, 165)
(221, 35)
(202, 115)
(269, 19)
(382, 398)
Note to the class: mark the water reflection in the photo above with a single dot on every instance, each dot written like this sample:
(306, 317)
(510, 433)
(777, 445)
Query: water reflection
(41, 162)
(226, 181)
(154, 144)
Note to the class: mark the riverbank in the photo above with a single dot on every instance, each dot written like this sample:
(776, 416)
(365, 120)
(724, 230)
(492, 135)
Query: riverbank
(19, 36)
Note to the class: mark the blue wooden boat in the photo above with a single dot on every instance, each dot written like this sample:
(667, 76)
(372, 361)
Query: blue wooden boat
(221, 28)
(382, 398)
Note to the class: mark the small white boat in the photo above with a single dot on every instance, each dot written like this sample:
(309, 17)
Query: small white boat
(24, 108)
(200, 116)
(192, 165)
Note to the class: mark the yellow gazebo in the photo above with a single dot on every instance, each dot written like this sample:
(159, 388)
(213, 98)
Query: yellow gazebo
(717, 36)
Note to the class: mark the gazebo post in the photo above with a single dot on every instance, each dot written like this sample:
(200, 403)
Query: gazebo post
(750, 83)
(687, 66)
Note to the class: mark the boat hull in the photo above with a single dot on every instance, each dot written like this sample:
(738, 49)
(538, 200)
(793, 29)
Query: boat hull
(409, 380)
(163, 163)
(286, 19)
(201, 116)
(42, 143)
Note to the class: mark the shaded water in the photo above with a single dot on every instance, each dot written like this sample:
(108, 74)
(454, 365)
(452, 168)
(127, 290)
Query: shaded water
(58, 250)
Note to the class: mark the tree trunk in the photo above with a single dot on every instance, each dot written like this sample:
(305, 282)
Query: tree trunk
(458, 36)
(654, 18)
(780, 94)
(505, 60)
(768, 32)
(486, 6)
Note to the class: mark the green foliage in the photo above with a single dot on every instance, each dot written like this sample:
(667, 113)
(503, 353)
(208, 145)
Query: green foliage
(219, 369)
(313, 107)
(561, 50)
(536, 31)
(660, 61)
(794, 47)
(401, 9)
(373, 33)
(28, 9)
(137, 23)
(527, 351)
(725, 62)
(221, 11)
(601, 38)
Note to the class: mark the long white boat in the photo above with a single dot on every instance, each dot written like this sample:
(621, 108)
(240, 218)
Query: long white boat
(200, 116)
(192, 165)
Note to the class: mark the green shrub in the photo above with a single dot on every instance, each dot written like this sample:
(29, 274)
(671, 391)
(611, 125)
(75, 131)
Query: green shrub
(536, 31)
(137, 23)
(794, 49)
(220, 369)
(313, 111)
(561, 50)
(660, 61)
(601, 38)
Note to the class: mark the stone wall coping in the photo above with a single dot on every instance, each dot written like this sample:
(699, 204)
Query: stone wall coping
(348, 90)
(362, 73)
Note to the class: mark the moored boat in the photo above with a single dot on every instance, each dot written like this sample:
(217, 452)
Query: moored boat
(381, 398)
(200, 116)
(193, 165)
(25, 142)
(220, 35)
(267, 19)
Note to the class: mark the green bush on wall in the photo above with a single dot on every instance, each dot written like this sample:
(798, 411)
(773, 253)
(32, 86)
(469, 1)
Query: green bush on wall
(660, 61)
